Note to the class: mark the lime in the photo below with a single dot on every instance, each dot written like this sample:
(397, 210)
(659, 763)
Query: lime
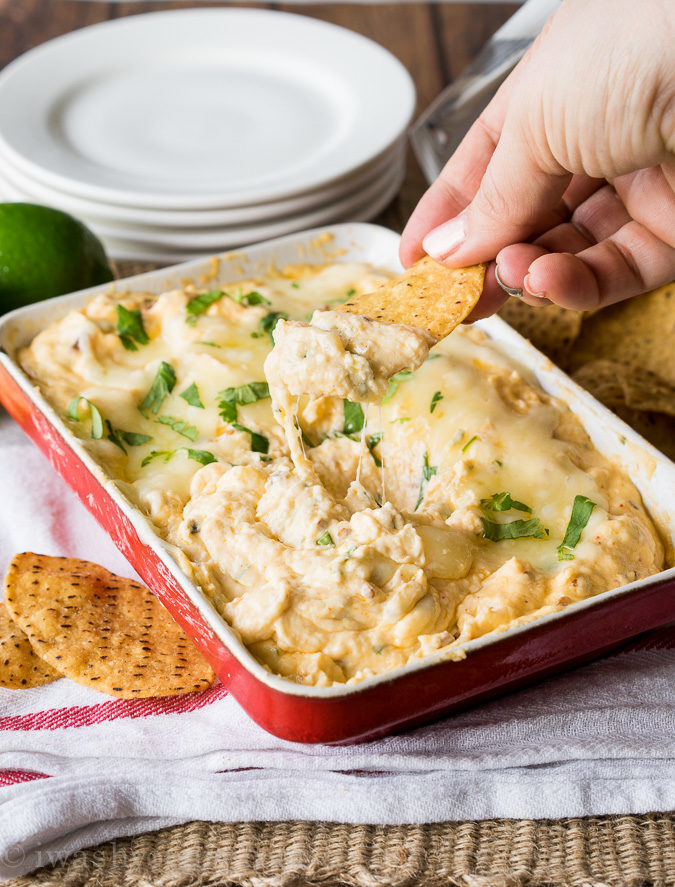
(45, 252)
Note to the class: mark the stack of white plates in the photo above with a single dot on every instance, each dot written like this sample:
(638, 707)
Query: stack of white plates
(179, 133)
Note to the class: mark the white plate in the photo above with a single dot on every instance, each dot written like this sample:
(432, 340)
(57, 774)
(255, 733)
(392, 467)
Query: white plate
(222, 237)
(123, 248)
(202, 108)
(16, 185)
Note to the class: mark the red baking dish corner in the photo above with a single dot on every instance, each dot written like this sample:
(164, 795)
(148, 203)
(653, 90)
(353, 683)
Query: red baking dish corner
(406, 698)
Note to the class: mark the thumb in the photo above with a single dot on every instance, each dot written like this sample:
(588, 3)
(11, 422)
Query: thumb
(518, 197)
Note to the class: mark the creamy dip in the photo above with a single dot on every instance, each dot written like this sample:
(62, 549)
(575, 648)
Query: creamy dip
(386, 543)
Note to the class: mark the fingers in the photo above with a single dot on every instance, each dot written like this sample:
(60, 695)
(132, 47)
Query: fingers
(633, 260)
(518, 195)
(460, 178)
(491, 300)
(604, 254)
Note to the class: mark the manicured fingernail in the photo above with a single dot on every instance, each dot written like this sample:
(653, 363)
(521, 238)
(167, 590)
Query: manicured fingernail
(514, 291)
(530, 289)
(444, 240)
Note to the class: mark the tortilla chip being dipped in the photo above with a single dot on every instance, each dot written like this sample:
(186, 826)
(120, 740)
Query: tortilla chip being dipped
(20, 666)
(102, 630)
(428, 296)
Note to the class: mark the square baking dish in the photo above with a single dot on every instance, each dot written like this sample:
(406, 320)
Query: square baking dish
(428, 688)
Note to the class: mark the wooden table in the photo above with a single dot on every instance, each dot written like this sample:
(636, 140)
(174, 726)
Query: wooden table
(435, 41)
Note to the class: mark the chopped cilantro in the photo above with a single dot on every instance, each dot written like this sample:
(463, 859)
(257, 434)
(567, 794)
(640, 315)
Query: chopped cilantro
(325, 539)
(515, 529)
(191, 396)
(394, 382)
(259, 443)
(243, 394)
(581, 513)
(180, 426)
(428, 471)
(306, 441)
(378, 649)
(210, 344)
(199, 304)
(354, 418)
(434, 400)
(96, 419)
(249, 299)
(372, 440)
(432, 357)
(503, 502)
(469, 442)
(202, 456)
(269, 321)
(162, 386)
(350, 292)
(295, 285)
(157, 454)
(120, 437)
(130, 328)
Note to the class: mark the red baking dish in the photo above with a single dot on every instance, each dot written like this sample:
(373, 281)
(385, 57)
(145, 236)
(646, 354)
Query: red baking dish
(418, 692)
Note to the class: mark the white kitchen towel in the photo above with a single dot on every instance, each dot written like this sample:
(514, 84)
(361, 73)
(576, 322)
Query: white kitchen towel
(77, 767)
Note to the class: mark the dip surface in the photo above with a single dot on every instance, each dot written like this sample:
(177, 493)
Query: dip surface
(379, 547)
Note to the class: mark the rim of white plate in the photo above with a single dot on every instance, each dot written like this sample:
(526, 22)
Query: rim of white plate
(87, 129)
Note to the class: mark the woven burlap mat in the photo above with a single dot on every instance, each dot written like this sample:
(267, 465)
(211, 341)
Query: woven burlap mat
(610, 851)
(615, 851)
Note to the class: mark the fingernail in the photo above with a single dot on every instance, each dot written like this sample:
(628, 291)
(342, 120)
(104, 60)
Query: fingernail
(514, 291)
(530, 290)
(444, 240)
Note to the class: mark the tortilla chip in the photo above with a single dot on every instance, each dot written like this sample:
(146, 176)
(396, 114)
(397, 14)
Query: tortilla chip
(614, 385)
(20, 666)
(428, 296)
(638, 332)
(551, 329)
(101, 630)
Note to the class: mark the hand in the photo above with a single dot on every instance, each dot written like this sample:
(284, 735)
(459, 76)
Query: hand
(567, 179)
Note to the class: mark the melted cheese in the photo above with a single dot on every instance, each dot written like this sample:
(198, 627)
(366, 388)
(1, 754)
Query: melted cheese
(325, 577)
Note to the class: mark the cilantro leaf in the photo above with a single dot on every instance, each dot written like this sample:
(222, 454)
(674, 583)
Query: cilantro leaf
(515, 529)
(202, 456)
(372, 440)
(394, 382)
(435, 400)
(166, 455)
(248, 299)
(259, 443)
(503, 502)
(325, 539)
(191, 396)
(199, 304)
(120, 437)
(354, 418)
(96, 419)
(428, 471)
(180, 426)
(581, 513)
(161, 387)
(469, 442)
(243, 394)
(130, 328)
(270, 320)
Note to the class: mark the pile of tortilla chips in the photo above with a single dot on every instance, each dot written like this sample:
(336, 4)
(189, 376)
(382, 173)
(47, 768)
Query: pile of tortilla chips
(63, 617)
(623, 354)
